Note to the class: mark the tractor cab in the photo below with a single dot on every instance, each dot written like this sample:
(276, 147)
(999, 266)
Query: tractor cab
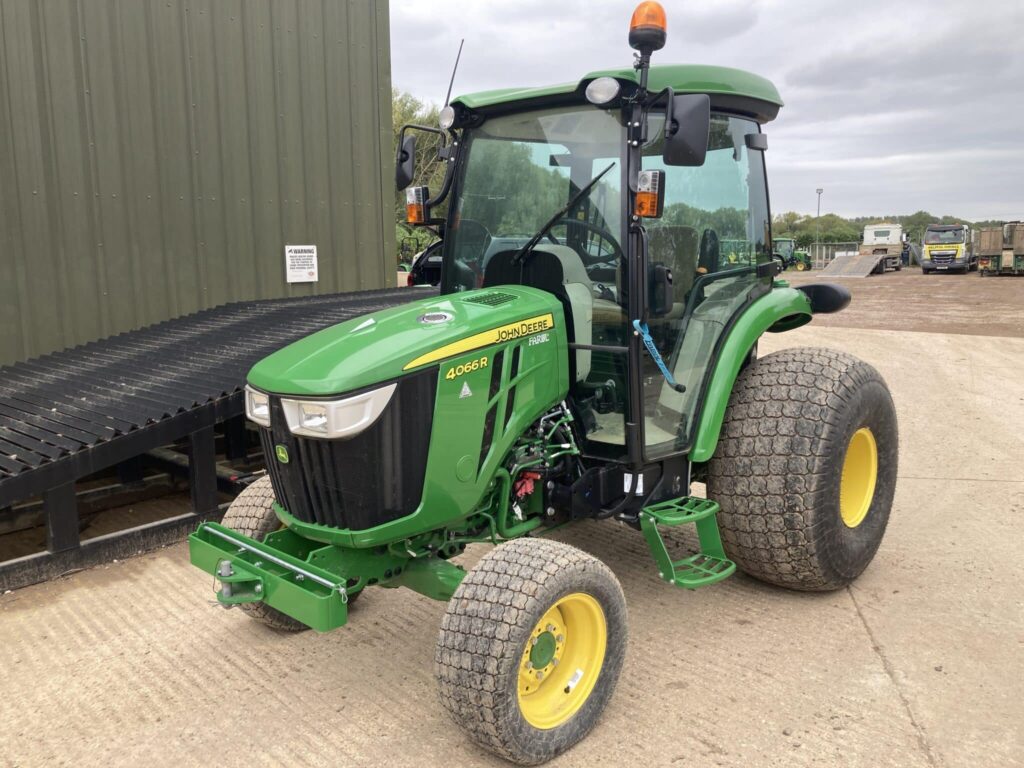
(637, 197)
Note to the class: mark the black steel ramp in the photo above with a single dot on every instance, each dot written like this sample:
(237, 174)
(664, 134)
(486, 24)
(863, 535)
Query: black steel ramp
(852, 266)
(69, 414)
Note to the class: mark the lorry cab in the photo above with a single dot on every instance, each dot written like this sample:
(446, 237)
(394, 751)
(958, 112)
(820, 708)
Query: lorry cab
(947, 247)
(886, 241)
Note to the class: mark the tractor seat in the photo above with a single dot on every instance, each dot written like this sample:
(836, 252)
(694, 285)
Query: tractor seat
(559, 270)
(675, 246)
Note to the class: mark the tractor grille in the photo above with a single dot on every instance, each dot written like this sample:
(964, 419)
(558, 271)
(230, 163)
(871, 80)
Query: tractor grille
(943, 257)
(366, 480)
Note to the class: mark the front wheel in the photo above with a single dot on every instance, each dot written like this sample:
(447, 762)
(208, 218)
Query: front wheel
(805, 468)
(252, 514)
(530, 648)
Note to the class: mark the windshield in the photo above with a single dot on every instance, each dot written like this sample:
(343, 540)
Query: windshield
(936, 236)
(518, 171)
(784, 248)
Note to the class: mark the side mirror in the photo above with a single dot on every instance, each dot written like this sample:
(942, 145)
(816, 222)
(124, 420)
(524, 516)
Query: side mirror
(659, 301)
(405, 161)
(687, 125)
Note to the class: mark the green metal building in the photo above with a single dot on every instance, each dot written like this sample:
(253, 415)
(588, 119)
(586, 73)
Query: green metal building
(157, 157)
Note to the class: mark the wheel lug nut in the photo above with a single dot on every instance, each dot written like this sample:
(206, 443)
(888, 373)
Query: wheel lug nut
(529, 665)
(554, 662)
(534, 641)
(540, 675)
(560, 638)
(551, 627)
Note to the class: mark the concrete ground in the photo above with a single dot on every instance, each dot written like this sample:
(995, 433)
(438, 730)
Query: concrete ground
(919, 663)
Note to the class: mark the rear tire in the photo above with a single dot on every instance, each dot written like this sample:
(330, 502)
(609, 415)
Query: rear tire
(531, 600)
(805, 468)
(252, 515)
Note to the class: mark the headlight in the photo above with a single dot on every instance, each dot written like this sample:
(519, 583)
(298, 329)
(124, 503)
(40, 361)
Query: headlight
(333, 419)
(257, 406)
(313, 418)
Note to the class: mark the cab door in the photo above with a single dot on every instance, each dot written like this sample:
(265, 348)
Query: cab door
(712, 235)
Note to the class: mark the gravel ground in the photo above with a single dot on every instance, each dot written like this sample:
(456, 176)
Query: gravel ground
(919, 663)
(936, 303)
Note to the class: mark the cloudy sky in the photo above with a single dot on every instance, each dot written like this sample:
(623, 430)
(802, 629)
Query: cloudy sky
(891, 106)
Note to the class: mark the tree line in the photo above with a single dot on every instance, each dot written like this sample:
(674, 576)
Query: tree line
(830, 228)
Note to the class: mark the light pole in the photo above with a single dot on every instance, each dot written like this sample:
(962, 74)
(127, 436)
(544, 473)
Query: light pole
(817, 226)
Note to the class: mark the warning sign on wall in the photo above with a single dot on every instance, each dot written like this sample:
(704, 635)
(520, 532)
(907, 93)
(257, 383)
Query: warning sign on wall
(300, 263)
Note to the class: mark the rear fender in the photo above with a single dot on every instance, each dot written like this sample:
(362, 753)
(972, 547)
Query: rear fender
(782, 309)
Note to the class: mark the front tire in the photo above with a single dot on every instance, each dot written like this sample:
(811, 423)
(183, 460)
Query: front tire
(252, 514)
(530, 648)
(805, 468)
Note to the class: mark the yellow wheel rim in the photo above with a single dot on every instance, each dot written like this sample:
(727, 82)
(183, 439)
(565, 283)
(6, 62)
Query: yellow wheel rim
(860, 473)
(800, 266)
(562, 660)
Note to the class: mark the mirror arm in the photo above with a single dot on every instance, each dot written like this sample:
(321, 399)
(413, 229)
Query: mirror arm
(451, 154)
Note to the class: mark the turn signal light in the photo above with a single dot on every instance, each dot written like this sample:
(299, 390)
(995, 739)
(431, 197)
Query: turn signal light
(416, 205)
(650, 194)
(648, 28)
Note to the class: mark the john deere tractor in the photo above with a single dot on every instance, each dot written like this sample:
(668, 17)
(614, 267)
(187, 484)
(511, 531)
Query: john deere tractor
(799, 258)
(591, 356)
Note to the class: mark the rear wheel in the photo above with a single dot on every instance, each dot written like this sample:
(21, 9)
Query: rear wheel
(530, 648)
(805, 469)
(252, 515)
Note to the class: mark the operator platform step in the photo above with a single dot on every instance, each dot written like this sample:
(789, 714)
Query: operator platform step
(708, 566)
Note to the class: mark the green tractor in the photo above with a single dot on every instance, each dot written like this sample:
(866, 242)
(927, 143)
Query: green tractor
(591, 355)
(798, 258)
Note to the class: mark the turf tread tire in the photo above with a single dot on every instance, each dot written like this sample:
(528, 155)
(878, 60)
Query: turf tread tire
(486, 626)
(777, 467)
(252, 514)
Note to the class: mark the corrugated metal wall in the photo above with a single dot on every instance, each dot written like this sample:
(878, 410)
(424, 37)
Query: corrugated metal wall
(157, 155)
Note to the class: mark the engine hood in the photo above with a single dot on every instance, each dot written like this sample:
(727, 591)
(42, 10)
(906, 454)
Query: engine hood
(382, 346)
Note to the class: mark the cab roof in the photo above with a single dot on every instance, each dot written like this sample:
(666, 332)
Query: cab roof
(733, 90)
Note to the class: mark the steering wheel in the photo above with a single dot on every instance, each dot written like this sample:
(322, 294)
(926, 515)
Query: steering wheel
(601, 232)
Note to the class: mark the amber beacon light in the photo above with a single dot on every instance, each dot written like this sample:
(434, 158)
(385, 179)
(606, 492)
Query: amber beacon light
(648, 28)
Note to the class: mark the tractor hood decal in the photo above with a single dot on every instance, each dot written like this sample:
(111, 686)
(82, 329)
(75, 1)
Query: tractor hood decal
(494, 336)
(386, 345)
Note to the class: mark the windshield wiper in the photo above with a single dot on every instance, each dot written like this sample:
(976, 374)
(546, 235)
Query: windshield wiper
(532, 242)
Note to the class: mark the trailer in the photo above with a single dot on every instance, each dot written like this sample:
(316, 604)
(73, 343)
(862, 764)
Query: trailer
(1001, 250)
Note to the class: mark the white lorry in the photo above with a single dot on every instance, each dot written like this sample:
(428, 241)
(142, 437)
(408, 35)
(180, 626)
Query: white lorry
(884, 240)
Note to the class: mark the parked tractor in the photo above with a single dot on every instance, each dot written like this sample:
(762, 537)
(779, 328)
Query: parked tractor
(799, 258)
(1001, 250)
(590, 356)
